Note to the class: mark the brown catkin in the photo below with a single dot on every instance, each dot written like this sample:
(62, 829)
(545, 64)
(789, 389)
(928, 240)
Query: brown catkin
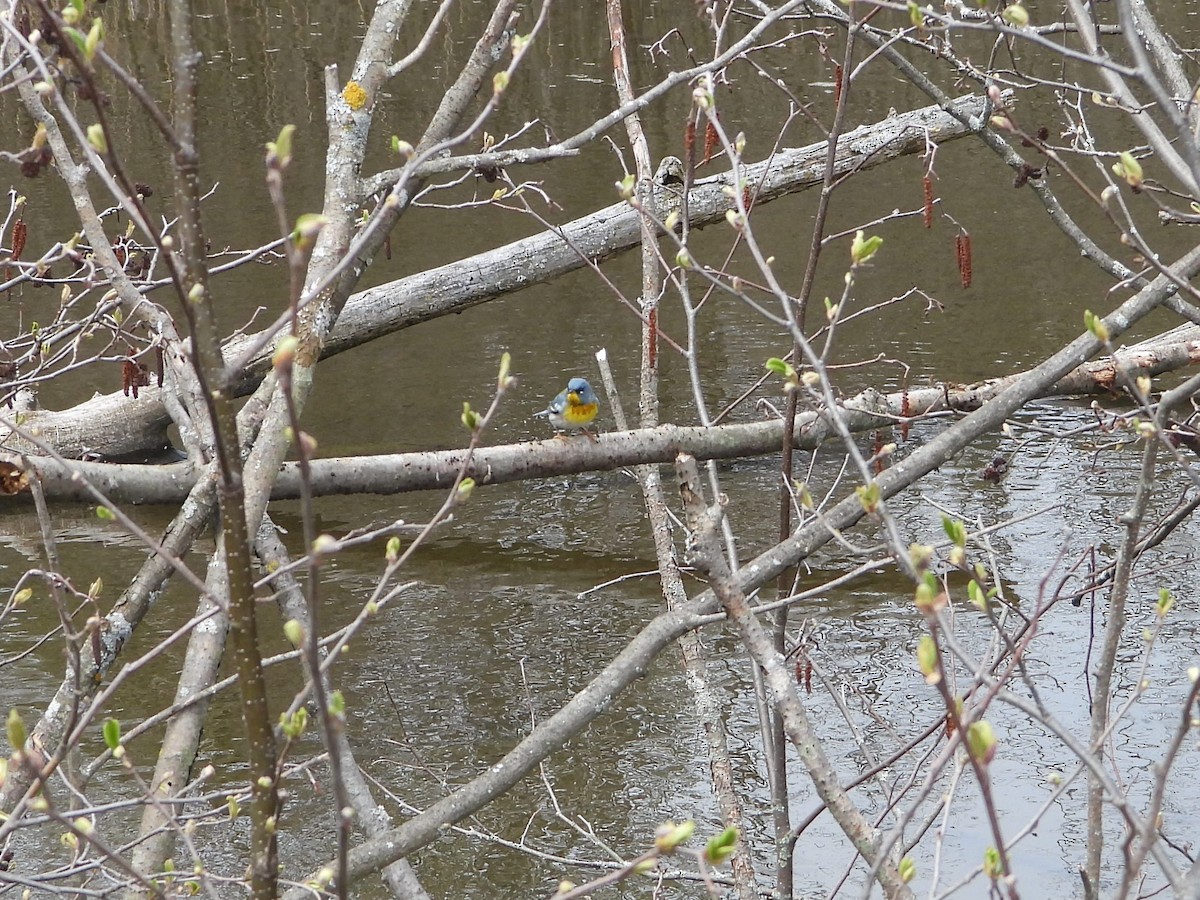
(927, 186)
(134, 375)
(710, 141)
(18, 239)
(962, 250)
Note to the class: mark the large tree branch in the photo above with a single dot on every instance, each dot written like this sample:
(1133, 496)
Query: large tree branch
(607, 232)
(112, 425)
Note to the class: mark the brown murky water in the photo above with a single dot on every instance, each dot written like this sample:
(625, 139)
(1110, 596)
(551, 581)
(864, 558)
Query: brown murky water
(437, 687)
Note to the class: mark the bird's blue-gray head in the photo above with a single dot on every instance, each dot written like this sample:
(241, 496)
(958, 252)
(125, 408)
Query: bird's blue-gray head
(578, 385)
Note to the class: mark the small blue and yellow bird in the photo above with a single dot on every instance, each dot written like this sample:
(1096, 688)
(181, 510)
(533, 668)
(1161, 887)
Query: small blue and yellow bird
(573, 409)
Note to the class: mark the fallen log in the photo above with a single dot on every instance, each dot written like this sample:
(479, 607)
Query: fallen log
(113, 425)
(435, 470)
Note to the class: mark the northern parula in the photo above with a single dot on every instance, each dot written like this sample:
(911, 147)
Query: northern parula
(574, 408)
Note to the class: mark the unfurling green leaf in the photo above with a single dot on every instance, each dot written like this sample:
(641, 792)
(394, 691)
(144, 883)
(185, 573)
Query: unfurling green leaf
(869, 496)
(504, 380)
(955, 530)
(16, 730)
(96, 138)
(1165, 602)
(992, 866)
(337, 703)
(1129, 169)
(294, 632)
(929, 597)
(279, 151)
(95, 36)
(112, 733)
(308, 226)
(784, 370)
(927, 659)
(670, 835)
(780, 367)
(720, 847)
(324, 544)
(470, 418)
(285, 352)
(862, 248)
(981, 741)
(976, 595)
(402, 148)
(804, 495)
(1016, 15)
(465, 488)
(293, 724)
(1094, 324)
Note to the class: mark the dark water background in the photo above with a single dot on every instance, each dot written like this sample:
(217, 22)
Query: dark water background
(437, 688)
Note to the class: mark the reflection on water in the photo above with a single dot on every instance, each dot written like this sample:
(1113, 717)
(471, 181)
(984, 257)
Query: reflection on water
(496, 635)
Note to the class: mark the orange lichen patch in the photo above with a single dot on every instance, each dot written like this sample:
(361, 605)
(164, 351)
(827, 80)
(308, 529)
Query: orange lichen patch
(354, 95)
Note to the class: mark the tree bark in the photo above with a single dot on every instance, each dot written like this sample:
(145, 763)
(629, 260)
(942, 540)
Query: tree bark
(113, 425)
(436, 470)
